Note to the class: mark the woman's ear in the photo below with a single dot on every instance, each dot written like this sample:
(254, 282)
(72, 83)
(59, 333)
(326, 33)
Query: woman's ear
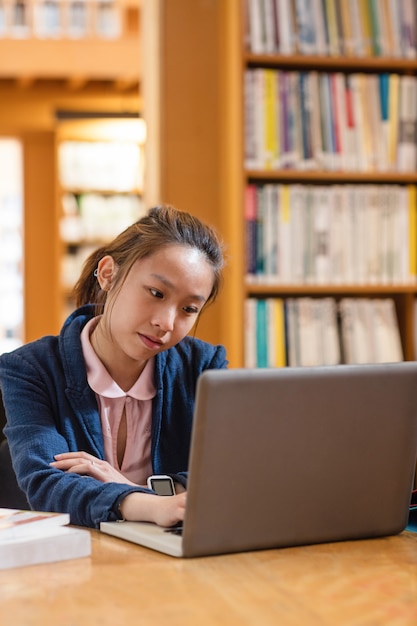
(106, 271)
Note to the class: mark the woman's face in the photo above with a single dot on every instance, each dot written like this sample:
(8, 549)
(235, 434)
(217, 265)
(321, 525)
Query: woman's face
(158, 303)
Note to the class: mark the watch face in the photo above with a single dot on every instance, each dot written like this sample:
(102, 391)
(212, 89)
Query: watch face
(162, 486)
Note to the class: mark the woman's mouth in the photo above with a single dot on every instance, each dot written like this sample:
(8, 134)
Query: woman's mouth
(151, 342)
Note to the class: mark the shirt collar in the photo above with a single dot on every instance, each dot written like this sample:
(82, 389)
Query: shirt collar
(99, 378)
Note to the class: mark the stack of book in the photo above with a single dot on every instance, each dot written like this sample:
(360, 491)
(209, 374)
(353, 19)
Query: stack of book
(31, 537)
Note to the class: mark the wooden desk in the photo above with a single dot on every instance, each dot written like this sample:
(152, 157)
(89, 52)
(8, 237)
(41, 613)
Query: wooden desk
(360, 583)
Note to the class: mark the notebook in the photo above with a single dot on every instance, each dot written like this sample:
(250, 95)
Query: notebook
(294, 456)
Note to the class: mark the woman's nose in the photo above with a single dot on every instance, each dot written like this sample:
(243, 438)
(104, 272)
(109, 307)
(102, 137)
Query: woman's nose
(165, 319)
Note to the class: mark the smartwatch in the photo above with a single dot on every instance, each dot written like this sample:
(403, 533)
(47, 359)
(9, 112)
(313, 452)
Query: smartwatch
(162, 484)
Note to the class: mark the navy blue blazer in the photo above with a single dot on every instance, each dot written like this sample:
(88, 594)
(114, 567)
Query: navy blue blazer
(51, 409)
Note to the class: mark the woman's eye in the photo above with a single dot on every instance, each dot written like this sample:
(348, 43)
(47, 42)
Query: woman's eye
(192, 310)
(156, 293)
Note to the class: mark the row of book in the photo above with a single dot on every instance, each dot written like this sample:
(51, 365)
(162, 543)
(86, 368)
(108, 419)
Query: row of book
(101, 165)
(11, 244)
(332, 27)
(96, 217)
(89, 220)
(330, 234)
(330, 121)
(60, 19)
(320, 331)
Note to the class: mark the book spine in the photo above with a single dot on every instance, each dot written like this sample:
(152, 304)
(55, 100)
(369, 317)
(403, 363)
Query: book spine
(261, 333)
(250, 230)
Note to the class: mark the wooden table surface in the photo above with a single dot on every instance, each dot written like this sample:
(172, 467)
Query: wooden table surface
(361, 583)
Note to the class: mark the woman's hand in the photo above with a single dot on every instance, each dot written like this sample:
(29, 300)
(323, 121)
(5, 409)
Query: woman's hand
(89, 465)
(162, 510)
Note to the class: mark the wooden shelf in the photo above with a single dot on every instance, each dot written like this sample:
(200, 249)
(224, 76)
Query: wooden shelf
(320, 176)
(320, 290)
(29, 59)
(237, 60)
(75, 61)
(339, 63)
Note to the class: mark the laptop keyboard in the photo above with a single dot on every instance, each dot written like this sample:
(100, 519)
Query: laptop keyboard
(175, 530)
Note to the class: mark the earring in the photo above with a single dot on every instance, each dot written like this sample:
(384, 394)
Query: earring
(95, 273)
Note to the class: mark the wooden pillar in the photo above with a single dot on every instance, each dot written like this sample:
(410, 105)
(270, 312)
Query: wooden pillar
(41, 258)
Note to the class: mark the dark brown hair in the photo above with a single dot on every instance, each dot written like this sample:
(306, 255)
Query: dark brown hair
(161, 226)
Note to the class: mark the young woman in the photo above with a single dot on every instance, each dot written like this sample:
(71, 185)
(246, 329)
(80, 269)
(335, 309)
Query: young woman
(93, 412)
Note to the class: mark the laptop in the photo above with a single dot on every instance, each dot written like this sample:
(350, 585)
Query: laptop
(294, 456)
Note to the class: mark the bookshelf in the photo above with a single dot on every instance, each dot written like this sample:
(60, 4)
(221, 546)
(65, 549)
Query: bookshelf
(75, 41)
(99, 190)
(95, 72)
(11, 246)
(238, 53)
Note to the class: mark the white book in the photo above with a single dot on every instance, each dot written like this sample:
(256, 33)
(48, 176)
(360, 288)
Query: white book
(407, 148)
(388, 348)
(255, 39)
(357, 30)
(30, 537)
(286, 27)
(251, 141)
(308, 236)
(409, 28)
(270, 233)
(373, 235)
(394, 20)
(350, 156)
(379, 156)
(308, 333)
(258, 120)
(322, 231)
(403, 236)
(291, 315)
(340, 105)
(269, 26)
(347, 320)
(363, 330)
(360, 234)
(57, 544)
(16, 523)
(305, 22)
(284, 234)
(348, 229)
(385, 234)
(250, 332)
(397, 235)
(316, 129)
(292, 157)
(338, 234)
(297, 203)
(384, 36)
(322, 47)
(392, 263)
(328, 156)
(359, 114)
(330, 343)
